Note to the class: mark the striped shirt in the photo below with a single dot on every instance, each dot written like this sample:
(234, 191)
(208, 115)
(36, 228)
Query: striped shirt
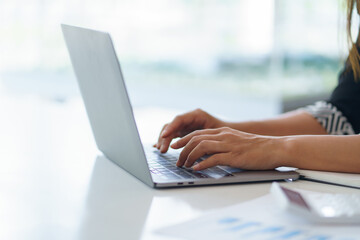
(334, 122)
(340, 115)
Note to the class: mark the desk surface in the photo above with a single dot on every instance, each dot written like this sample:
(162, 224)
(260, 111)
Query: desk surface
(54, 184)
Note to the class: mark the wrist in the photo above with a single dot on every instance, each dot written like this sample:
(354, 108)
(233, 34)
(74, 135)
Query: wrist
(283, 151)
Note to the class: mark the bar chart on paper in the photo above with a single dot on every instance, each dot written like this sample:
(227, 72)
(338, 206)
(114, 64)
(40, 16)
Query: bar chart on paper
(230, 227)
(257, 220)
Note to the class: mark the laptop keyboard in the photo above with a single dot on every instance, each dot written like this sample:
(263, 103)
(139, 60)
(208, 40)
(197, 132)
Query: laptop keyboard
(164, 165)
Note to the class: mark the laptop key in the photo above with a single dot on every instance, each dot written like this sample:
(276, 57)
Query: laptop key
(199, 175)
(184, 174)
(171, 175)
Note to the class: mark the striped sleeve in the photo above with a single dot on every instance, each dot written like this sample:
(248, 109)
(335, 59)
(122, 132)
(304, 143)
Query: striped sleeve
(334, 122)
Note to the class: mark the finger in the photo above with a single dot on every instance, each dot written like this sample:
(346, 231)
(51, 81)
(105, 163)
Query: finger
(165, 144)
(160, 139)
(184, 141)
(178, 123)
(191, 145)
(214, 160)
(173, 126)
(205, 147)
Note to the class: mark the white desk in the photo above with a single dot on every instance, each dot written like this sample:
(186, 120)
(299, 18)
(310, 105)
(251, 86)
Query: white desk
(54, 184)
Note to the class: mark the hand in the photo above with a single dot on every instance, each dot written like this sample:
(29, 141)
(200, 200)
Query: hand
(185, 124)
(229, 147)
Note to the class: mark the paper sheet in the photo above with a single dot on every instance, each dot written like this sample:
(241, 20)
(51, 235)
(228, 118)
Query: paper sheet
(258, 219)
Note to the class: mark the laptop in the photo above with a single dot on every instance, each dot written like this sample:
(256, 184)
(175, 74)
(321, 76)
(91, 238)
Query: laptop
(110, 113)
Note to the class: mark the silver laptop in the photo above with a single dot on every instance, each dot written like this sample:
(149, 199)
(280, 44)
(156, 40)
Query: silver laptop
(111, 117)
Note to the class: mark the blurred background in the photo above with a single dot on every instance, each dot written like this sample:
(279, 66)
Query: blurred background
(236, 58)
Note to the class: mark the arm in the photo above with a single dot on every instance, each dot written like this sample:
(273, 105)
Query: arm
(257, 152)
(327, 153)
(293, 123)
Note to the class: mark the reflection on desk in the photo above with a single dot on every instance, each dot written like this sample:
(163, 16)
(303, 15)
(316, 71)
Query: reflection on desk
(116, 205)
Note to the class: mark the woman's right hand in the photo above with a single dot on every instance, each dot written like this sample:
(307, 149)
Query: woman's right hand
(185, 124)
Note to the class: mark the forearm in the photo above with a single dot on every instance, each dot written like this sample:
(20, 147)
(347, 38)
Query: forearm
(326, 153)
(292, 123)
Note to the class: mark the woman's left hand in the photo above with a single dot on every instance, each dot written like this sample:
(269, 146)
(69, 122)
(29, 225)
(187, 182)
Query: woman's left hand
(229, 147)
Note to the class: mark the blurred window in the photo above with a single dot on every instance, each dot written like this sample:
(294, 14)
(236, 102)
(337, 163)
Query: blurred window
(264, 47)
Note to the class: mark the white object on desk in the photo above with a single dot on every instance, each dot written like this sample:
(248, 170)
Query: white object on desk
(319, 207)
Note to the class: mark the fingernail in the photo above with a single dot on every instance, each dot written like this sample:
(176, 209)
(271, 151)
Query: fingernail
(174, 145)
(162, 149)
(164, 133)
(187, 165)
(195, 167)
